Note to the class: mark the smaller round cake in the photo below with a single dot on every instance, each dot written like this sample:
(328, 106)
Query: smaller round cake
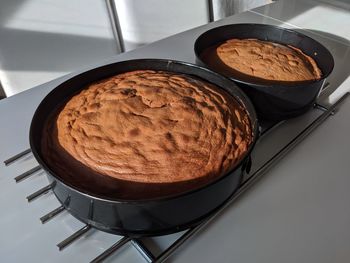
(267, 60)
(147, 127)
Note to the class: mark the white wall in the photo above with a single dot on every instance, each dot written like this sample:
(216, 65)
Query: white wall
(224, 8)
(43, 39)
(145, 21)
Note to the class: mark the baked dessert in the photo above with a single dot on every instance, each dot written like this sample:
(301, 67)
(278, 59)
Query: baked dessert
(147, 127)
(267, 60)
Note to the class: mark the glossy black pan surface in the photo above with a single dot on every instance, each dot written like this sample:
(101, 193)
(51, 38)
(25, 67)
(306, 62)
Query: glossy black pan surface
(154, 216)
(272, 100)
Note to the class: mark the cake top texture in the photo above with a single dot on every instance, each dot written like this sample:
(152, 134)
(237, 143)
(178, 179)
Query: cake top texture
(267, 60)
(150, 127)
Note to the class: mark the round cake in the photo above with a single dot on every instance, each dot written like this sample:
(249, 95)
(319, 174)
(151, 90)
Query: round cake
(148, 127)
(267, 60)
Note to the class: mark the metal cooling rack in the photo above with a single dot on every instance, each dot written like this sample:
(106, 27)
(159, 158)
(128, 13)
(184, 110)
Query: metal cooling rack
(138, 244)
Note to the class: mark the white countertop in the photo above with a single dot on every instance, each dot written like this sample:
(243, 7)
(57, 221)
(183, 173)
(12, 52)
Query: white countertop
(298, 212)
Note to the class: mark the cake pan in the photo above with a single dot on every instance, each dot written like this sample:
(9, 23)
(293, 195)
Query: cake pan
(272, 99)
(137, 217)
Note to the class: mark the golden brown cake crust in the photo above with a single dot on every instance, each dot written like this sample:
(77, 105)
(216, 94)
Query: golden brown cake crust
(150, 127)
(267, 60)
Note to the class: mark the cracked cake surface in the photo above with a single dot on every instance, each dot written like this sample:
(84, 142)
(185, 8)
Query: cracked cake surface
(268, 60)
(149, 127)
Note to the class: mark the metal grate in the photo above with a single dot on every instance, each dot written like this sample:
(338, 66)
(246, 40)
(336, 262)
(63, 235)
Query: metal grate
(137, 243)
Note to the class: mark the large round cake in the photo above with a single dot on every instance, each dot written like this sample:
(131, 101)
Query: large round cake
(267, 60)
(148, 127)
